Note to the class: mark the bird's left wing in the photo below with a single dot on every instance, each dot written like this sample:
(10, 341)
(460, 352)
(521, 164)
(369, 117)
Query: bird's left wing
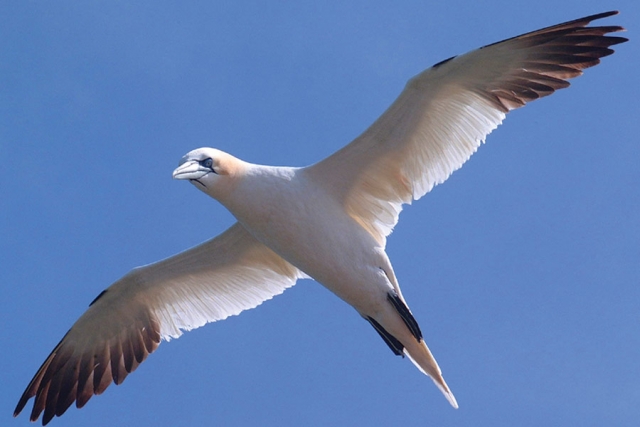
(219, 278)
(446, 112)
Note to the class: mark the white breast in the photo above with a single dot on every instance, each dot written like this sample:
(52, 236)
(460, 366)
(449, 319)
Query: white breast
(306, 225)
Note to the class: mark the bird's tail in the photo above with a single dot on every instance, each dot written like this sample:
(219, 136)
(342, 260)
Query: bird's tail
(421, 356)
(413, 346)
(404, 337)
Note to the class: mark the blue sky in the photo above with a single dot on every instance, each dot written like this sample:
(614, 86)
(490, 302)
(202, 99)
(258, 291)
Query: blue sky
(522, 269)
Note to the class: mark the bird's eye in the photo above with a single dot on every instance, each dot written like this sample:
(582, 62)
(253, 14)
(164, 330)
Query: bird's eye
(207, 162)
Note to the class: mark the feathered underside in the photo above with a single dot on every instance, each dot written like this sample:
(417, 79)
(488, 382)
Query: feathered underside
(124, 324)
(446, 112)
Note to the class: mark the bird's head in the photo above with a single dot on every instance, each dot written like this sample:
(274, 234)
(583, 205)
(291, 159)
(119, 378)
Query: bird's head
(208, 169)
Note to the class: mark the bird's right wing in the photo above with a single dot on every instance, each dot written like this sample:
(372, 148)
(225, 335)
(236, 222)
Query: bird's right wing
(445, 113)
(219, 278)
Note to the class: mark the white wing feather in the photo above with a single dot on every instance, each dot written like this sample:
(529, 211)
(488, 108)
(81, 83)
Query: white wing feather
(446, 112)
(219, 278)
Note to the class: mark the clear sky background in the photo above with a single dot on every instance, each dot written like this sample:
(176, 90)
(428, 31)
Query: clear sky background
(523, 269)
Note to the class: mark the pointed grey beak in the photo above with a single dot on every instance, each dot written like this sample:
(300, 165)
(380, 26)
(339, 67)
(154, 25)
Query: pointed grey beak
(190, 170)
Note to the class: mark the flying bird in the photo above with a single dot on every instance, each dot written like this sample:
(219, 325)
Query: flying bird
(328, 221)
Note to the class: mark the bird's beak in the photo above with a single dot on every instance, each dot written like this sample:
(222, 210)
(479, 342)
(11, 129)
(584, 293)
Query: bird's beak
(190, 170)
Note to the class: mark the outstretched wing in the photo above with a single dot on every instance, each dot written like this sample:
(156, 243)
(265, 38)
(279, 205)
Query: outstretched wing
(219, 278)
(446, 112)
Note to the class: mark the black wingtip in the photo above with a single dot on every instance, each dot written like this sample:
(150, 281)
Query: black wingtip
(605, 14)
(443, 62)
(98, 297)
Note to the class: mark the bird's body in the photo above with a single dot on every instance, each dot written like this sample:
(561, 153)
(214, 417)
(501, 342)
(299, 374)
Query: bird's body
(305, 225)
(292, 212)
(328, 221)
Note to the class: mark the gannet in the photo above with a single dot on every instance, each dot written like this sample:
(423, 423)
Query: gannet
(328, 221)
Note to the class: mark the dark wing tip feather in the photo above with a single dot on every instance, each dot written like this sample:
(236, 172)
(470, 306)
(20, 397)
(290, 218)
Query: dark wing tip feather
(73, 374)
(552, 56)
(571, 26)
